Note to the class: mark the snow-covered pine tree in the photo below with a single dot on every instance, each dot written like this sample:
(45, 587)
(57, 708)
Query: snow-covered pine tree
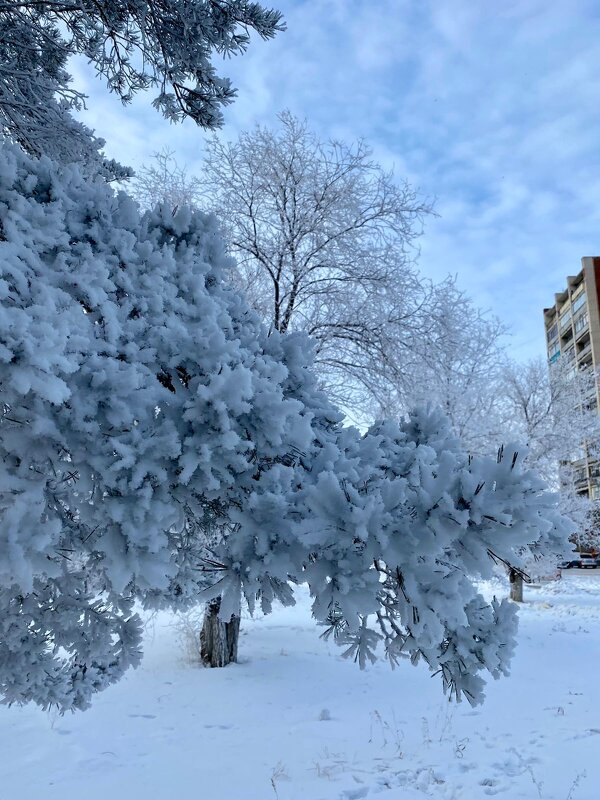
(134, 45)
(159, 447)
(137, 404)
(396, 527)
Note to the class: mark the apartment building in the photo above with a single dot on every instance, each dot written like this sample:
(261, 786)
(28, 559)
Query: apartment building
(573, 333)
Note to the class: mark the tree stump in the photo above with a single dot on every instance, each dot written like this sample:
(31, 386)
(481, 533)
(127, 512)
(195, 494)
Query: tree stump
(218, 639)
(516, 585)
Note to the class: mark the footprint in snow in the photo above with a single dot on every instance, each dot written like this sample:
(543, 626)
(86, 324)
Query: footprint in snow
(584, 735)
(354, 794)
(488, 782)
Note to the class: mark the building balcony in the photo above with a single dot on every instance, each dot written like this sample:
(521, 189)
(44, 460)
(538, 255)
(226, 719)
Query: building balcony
(585, 351)
(566, 335)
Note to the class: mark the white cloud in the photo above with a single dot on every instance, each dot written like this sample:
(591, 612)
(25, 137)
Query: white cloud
(492, 108)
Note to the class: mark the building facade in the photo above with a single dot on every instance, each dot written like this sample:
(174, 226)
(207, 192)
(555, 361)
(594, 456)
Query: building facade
(572, 327)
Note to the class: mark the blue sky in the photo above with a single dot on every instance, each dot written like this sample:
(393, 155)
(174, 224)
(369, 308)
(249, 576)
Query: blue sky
(492, 109)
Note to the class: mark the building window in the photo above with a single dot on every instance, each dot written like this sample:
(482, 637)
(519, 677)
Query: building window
(553, 352)
(578, 302)
(581, 322)
(565, 320)
(552, 333)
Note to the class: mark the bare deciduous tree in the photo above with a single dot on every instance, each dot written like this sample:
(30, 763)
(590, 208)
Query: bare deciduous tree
(165, 181)
(458, 368)
(552, 409)
(325, 240)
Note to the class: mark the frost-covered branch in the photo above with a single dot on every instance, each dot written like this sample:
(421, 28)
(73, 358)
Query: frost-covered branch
(325, 242)
(135, 45)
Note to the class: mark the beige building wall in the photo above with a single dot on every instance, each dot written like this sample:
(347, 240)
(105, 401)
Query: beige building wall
(572, 327)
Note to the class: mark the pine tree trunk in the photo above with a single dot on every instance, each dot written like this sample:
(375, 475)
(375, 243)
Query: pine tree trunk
(218, 639)
(516, 585)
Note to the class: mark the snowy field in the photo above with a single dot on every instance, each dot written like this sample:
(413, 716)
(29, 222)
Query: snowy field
(294, 721)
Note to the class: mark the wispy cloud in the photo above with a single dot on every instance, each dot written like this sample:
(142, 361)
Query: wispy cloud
(491, 108)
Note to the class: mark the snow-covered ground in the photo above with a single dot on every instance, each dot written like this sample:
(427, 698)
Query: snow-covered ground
(294, 721)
